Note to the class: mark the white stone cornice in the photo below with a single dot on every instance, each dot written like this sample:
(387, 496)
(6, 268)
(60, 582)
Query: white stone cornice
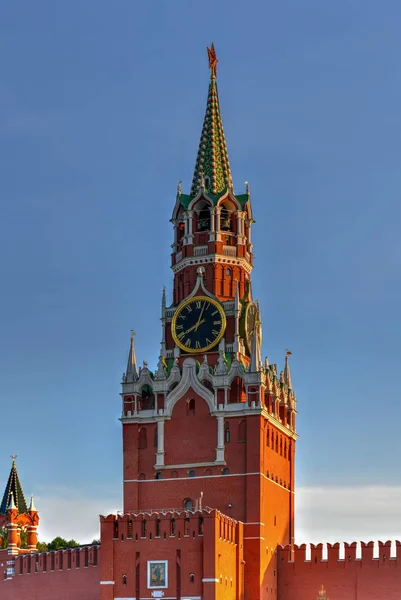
(212, 258)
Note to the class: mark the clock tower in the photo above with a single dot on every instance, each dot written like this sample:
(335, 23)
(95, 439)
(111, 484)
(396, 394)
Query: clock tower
(212, 428)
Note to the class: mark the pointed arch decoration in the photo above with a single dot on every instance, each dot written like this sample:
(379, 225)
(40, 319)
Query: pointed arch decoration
(188, 381)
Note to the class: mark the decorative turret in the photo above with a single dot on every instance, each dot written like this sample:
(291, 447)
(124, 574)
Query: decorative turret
(32, 538)
(287, 374)
(132, 370)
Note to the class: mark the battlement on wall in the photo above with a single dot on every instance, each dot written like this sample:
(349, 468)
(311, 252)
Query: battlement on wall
(57, 560)
(170, 524)
(357, 554)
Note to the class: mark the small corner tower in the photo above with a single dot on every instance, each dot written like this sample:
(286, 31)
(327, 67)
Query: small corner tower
(16, 515)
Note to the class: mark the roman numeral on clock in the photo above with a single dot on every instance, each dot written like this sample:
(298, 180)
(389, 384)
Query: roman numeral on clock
(188, 343)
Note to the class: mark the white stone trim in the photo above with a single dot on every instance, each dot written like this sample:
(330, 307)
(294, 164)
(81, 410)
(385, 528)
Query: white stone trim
(172, 467)
(254, 538)
(210, 580)
(188, 380)
(215, 463)
(107, 582)
(213, 258)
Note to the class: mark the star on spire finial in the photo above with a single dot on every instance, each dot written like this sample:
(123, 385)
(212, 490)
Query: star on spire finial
(212, 61)
(13, 457)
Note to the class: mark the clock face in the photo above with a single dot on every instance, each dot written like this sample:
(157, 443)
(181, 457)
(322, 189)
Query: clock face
(251, 324)
(198, 324)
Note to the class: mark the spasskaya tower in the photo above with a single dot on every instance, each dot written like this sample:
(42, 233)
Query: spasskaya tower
(209, 435)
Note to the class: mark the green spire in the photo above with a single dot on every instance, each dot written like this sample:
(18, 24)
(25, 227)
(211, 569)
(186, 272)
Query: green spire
(13, 492)
(212, 168)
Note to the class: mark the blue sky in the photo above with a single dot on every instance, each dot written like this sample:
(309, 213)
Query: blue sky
(101, 110)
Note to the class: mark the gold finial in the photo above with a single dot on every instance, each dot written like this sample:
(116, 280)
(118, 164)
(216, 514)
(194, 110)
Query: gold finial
(13, 457)
(212, 61)
(288, 353)
(133, 334)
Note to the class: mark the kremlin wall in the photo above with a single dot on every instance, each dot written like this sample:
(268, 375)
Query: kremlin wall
(208, 442)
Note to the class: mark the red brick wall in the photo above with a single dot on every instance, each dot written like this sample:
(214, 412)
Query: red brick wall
(63, 583)
(196, 551)
(348, 578)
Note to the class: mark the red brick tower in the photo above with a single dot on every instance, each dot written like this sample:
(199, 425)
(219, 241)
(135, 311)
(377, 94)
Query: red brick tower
(213, 428)
(16, 515)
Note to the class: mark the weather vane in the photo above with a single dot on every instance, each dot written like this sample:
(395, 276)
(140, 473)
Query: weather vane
(212, 61)
(13, 457)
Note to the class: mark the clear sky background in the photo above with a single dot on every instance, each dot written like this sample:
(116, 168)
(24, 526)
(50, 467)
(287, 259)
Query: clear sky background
(101, 107)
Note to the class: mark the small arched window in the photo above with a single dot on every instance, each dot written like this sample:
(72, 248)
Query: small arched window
(285, 448)
(204, 219)
(225, 221)
(281, 445)
(147, 398)
(142, 439)
(227, 433)
(268, 437)
(191, 473)
(158, 475)
(190, 406)
(242, 431)
(225, 471)
(180, 231)
(188, 504)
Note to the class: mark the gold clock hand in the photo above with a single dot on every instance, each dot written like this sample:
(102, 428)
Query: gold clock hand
(194, 326)
(200, 316)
